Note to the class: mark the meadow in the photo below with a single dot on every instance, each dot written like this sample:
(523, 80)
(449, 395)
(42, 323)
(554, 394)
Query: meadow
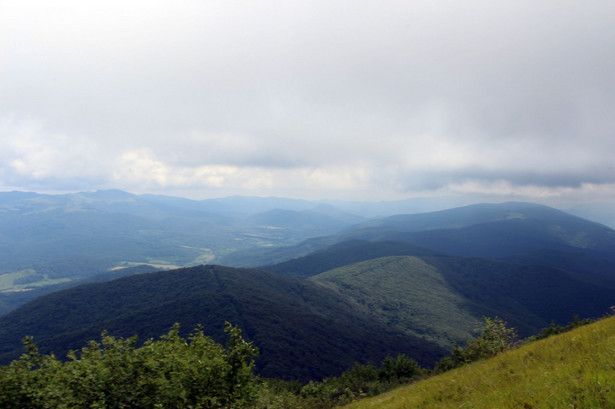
(572, 370)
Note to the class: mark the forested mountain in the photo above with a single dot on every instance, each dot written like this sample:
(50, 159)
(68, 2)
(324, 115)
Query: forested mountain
(443, 298)
(13, 299)
(414, 284)
(303, 330)
(420, 306)
(111, 228)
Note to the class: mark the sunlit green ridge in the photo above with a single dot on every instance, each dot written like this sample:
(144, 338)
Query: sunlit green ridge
(407, 292)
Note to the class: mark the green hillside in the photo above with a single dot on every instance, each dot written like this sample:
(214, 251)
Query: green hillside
(442, 298)
(309, 329)
(406, 292)
(571, 370)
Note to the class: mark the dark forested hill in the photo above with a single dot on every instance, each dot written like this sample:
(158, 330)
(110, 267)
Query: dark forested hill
(303, 329)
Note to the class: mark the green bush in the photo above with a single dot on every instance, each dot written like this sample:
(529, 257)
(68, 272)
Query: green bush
(360, 381)
(172, 372)
(495, 337)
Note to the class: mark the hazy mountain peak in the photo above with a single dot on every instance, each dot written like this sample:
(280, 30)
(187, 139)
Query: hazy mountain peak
(109, 194)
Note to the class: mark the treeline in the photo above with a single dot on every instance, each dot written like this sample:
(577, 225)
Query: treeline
(358, 382)
(555, 329)
(197, 372)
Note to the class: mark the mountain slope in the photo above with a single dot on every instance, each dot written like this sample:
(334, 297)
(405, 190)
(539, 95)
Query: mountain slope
(304, 331)
(407, 293)
(507, 229)
(568, 370)
(443, 298)
(11, 300)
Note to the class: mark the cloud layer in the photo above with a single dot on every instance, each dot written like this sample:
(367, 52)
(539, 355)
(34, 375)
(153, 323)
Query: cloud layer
(338, 99)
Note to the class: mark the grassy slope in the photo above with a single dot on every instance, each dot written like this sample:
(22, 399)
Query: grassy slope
(574, 369)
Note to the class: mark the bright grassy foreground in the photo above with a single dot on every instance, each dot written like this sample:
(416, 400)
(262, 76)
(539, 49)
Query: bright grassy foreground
(571, 370)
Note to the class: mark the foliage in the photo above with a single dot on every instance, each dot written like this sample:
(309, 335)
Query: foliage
(196, 372)
(555, 329)
(361, 381)
(407, 293)
(172, 372)
(495, 337)
(177, 372)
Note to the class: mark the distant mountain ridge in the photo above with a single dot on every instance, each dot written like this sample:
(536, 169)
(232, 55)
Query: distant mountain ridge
(416, 284)
(484, 230)
(344, 253)
(49, 239)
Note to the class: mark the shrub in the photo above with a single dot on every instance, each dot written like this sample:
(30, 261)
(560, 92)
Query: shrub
(172, 372)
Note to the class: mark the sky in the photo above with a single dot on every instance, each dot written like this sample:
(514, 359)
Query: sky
(352, 100)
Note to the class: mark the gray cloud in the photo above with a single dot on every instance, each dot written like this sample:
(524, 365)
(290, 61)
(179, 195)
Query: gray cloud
(312, 98)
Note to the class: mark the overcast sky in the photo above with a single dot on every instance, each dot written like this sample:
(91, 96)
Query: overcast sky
(312, 99)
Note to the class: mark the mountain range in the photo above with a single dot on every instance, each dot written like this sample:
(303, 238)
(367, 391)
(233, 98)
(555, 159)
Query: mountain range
(52, 239)
(416, 283)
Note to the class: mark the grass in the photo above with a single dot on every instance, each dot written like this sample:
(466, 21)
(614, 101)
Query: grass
(572, 370)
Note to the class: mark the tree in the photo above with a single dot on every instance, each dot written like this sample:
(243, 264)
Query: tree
(495, 337)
